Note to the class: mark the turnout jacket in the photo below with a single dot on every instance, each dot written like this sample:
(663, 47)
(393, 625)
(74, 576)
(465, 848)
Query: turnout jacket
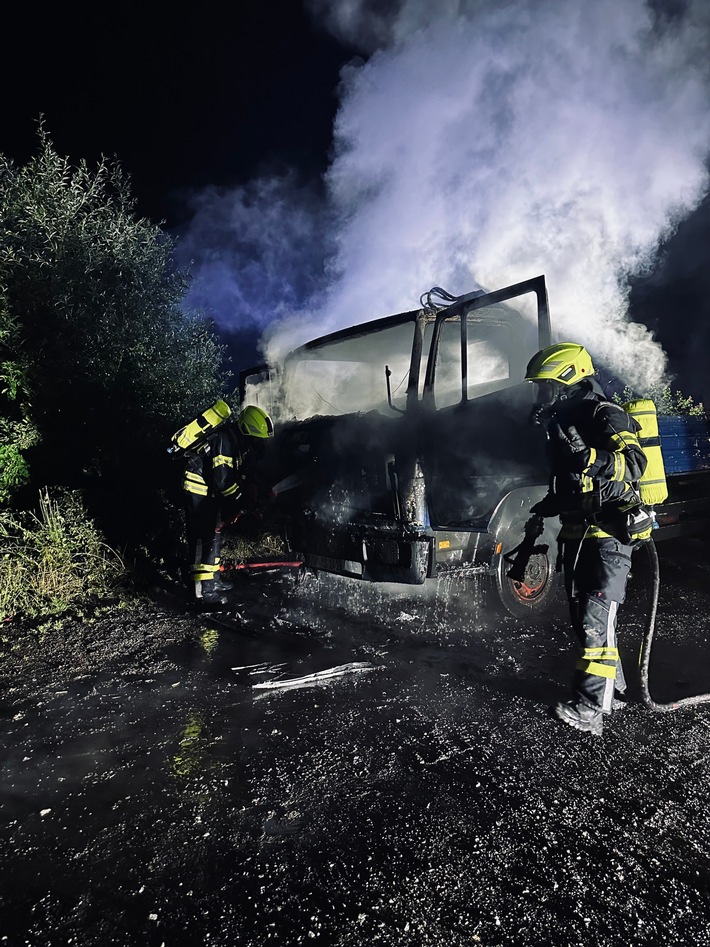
(596, 463)
(214, 468)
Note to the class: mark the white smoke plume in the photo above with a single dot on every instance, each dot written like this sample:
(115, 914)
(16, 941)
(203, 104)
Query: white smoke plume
(481, 143)
(485, 143)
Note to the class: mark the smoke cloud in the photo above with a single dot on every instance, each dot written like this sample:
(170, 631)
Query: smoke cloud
(480, 144)
(255, 252)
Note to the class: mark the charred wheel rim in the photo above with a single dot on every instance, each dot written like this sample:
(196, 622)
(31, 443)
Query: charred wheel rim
(537, 575)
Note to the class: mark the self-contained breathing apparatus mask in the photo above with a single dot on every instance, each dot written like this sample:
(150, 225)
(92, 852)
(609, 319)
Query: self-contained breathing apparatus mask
(554, 398)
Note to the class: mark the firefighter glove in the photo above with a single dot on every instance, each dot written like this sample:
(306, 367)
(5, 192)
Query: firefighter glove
(541, 414)
(572, 447)
(548, 506)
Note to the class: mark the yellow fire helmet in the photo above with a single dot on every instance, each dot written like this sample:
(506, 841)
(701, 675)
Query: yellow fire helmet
(566, 363)
(255, 422)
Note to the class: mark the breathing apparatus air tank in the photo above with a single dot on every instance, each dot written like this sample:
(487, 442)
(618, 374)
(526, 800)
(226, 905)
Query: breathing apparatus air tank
(652, 486)
(191, 435)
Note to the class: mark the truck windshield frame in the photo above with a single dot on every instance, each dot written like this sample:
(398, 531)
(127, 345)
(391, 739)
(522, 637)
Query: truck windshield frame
(468, 313)
(344, 372)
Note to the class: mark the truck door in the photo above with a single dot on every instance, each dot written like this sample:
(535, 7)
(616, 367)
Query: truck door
(475, 442)
(259, 386)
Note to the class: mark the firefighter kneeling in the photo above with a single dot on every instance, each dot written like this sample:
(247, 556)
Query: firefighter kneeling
(217, 451)
(597, 463)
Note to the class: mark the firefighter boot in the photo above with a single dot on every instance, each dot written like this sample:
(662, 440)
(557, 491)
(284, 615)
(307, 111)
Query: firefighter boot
(580, 716)
(220, 584)
(210, 597)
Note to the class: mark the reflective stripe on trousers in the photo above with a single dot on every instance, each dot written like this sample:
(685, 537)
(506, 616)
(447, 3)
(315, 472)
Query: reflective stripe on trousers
(596, 573)
(599, 669)
(203, 539)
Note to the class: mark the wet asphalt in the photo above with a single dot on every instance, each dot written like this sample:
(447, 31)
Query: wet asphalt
(339, 764)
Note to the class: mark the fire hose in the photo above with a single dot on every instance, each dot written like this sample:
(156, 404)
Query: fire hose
(645, 656)
(518, 559)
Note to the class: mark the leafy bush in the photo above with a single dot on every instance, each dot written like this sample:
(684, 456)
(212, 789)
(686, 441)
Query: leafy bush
(55, 560)
(670, 401)
(14, 472)
(15, 438)
(667, 401)
(17, 433)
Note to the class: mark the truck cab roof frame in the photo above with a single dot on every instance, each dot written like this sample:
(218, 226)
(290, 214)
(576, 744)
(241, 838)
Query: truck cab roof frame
(474, 301)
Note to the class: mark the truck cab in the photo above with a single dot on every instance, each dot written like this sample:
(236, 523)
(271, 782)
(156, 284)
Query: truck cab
(402, 445)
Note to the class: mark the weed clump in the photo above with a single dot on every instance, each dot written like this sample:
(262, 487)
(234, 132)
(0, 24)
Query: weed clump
(259, 542)
(55, 559)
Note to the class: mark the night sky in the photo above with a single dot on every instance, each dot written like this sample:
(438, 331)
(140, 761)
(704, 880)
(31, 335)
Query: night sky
(212, 98)
(183, 100)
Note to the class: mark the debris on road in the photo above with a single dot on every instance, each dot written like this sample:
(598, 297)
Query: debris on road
(341, 670)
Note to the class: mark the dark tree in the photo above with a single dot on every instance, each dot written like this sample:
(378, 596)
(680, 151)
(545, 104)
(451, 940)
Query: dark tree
(99, 360)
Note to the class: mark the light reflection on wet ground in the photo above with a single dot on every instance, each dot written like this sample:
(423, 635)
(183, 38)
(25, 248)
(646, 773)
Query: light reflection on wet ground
(430, 800)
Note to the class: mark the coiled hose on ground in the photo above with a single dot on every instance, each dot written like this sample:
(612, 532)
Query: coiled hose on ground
(647, 641)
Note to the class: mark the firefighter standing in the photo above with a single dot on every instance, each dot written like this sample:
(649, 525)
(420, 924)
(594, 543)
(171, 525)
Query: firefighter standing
(596, 463)
(213, 485)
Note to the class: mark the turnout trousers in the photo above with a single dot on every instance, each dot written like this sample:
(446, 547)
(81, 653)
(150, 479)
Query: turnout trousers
(596, 571)
(204, 539)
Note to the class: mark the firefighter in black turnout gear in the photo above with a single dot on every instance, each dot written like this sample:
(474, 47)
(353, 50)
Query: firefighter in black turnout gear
(596, 463)
(214, 494)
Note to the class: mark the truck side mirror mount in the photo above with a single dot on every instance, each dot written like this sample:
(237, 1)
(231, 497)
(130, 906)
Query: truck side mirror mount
(388, 373)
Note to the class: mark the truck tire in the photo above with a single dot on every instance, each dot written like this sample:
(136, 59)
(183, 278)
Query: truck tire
(533, 597)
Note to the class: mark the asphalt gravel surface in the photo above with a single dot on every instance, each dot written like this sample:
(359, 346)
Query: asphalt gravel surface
(327, 762)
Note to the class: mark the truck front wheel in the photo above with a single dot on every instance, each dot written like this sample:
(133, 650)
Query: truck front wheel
(535, 594)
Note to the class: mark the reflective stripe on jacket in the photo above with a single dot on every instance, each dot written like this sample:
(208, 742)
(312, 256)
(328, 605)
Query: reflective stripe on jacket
(214, 469)
(591, 500)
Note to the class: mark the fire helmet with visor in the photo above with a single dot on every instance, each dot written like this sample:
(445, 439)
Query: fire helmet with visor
(557, 368)
(255, 422)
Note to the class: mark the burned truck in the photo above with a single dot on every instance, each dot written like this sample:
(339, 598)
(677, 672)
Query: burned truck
(403, 449)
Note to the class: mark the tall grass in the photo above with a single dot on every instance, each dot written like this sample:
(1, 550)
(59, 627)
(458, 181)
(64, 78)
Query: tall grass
(55, 560)
(260, 542)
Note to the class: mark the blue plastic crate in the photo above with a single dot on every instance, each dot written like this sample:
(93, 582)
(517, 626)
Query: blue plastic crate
(685, 443)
